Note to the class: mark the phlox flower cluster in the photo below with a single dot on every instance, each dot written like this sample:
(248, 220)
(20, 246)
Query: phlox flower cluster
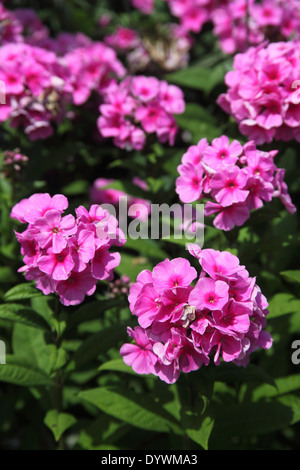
(233, 179)
(21, 25)
(64, 254)
(137, 107)
(263, 92)
(13, 162)
(43, 76)
(145, 6)
(37, 89)
(239, 24)
(93, 67)
(189, 318)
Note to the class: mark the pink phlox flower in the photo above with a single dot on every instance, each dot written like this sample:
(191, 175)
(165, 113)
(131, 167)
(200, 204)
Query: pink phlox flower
(139, 356)
(209, 294)
(82, 247)
(56, 265)
(76, 287)
(53, 230)
(169, 274)
(221, 152)
(228, 186)
(229, 216)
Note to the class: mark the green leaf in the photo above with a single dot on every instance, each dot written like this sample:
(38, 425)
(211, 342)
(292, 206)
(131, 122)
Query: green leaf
(21, 292)
(21, 314)
(117, 365)
(21, 374)
(292, 275)
(283, 303)
(31, 347)
(58, 422)
(92, 311)
(251, 419)
(195, 421)
(133, 408)
(198, 77)
(199, 430)
(103, 429)
(75, 188)
(281, 386)
(97, 344)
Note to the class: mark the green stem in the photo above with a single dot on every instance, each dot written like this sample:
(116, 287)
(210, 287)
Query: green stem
(58, 378)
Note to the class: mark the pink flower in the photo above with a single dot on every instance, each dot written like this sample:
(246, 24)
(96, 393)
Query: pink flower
(103, 263)
(138, 106)
(228, 186)
(171, 98)
(145, 6)
(28, 210)
(221, 153)
(56, 265)
(189, 183)
(139, 355)
(234, 180)
(210, 294)
(260, 96)
(145, 88)
(82, 247)
(65, 255)
(228, 217)
(182, 326)
(76, 287)
(53, 229)
(175, 273)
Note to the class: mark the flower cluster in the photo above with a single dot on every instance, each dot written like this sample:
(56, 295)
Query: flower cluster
(101, 193)
(139, 106)
(234, 179)
(93, 67)
(239, 24)
(183, 325)
(64, 254)
(13, 161)
(42, 75)
(192, 14)
(262, 93)
(37, 89)
(145, 6)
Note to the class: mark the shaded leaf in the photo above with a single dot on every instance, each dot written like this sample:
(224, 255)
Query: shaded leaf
(58, 422)
(133, 408)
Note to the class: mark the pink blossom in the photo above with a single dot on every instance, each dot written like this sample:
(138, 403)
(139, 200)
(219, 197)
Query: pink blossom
(76, 287)
(175, 273)
(189, 183)
(260, 94)
(56, 265)
(210, 294)
(145, 88)
(145, 6)
(221, 152)
(183, 325)
(64, 254)
(228, 186)
(53, 229)
(139, 355)
(138, 106)
(234, 179)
